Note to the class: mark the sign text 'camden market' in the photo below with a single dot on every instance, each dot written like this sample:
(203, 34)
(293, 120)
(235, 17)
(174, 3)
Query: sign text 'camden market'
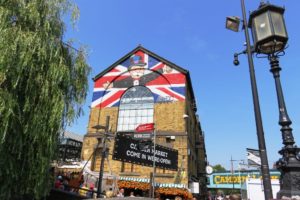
(126, 149)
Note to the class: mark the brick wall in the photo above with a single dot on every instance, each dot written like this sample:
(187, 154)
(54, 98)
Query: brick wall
(168, 118)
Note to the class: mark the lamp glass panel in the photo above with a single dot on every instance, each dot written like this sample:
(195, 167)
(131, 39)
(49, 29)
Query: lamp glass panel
(278, 24)
(262, 26)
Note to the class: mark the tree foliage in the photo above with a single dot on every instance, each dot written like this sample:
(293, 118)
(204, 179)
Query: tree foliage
(43, 84)
(219, 168)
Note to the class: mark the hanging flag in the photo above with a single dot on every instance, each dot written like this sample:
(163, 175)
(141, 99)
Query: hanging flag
(144, 127)
(253, 157)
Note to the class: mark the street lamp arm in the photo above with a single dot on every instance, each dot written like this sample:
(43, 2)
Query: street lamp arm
(236, 61)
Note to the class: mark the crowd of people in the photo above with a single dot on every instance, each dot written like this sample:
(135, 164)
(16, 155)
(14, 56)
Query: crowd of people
(221, 196)
(64, 182)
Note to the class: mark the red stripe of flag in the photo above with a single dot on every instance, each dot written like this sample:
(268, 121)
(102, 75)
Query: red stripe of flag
(111, 99)
(172, 94)
(114, 70)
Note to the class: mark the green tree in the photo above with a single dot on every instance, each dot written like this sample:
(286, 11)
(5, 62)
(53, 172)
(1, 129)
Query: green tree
(43, 84)
(219, 168)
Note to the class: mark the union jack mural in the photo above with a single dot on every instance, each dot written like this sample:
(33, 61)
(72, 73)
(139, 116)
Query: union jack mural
(166, 83)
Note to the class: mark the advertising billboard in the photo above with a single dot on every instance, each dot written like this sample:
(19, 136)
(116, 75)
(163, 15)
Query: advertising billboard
(127, 149)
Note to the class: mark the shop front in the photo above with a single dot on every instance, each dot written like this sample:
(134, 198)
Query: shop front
(142, 187)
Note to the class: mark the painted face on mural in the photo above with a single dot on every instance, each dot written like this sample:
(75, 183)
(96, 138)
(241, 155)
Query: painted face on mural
(136, 72)
(137, 67)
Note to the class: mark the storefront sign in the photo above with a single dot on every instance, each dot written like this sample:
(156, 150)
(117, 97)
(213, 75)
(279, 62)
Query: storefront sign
(127, 149)
(145, 127)
(236, 179)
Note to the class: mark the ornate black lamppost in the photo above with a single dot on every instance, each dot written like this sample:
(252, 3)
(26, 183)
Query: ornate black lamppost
(232, 23)
(270, 38)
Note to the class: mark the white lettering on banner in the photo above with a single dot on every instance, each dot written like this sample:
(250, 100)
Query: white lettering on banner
(129, 150)
(133, 154)
(160, 160)
(164, 160)
(146, 150)
(160, 156)
(133, 146)
(160, 153)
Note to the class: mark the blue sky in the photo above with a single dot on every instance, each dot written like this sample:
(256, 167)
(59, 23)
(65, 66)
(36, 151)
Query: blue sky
(192, 34)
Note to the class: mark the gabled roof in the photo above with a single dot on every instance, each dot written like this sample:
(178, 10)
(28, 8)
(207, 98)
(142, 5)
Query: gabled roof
(141, 48)
(74, 136)
(184, 71)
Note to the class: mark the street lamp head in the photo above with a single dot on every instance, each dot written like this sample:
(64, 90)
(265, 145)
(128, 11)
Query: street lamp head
(233, 23)
(268, 29)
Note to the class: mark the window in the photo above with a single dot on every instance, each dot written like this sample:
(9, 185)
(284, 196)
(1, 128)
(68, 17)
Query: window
(136, 107)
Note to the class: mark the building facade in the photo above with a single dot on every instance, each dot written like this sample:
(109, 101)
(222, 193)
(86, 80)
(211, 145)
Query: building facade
(144, 88)
(70, 146)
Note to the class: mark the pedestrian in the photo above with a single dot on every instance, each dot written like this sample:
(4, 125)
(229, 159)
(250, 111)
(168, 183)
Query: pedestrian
(90, 193)
(83, 190)
(157, 197)
(219, 196)
(66, 183)
(131, 194)
(121, 193)
(209, 196)
(109, 194)
(58, 183)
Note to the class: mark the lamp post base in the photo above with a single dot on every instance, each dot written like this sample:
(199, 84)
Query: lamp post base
(289, 166)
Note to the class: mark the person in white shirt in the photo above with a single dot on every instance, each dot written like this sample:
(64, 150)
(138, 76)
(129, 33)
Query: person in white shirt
(121, 193)
(132, 194)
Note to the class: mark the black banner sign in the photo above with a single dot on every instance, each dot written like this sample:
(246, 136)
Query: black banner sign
(126, 149)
